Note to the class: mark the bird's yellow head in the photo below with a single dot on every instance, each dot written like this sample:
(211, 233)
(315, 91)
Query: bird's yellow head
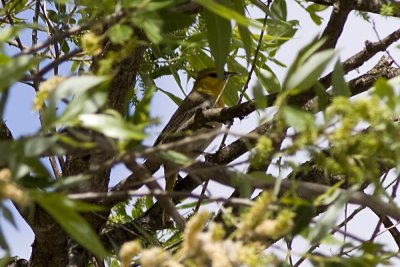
(208, 82)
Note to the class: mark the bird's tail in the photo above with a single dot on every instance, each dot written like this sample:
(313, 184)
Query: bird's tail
(171, 175)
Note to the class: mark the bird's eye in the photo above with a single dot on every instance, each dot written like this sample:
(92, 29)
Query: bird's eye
(213, 74)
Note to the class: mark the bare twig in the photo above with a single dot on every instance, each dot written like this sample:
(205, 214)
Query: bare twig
(305, 190)
(57, 61)
(10, 20)
(379, 39)
(343, 223)
(105, 197)
(74, 30)
(151, 183)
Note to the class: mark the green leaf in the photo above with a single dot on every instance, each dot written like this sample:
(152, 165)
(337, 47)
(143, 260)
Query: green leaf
(278, 33)
(65, 47)
(65, 212)
(3, 241)
(329, 218)
(232, 90)
(176, 157)
(119, 33)
(323, 98)
(173, 97)
(312, 9)
(152, 31)
(9, 32)
(151, 24)
(307, 67)
(339, 85)
(12, 70)
(228, 13)
(192, 204)
(304, 215)
(37, 145)
(385, 91)
(69, 181)
(198, 59)
(153, 5)
(279, 9)
(244, 32)
(84, 99)
(8, 215)
(61, 5)
(76, 86)
(297, 118)
(36, 166)
(74, 66)
(36, 182)
(62, 1)
(22, 164)
(112, 124)
(149, 201)
(4, 260)
(219, 33)
(172, 21)
(246, 38)
(137, 208)
(268, 80)
(19, 6)
(235, 83)
(142, 109)
(305, 53)
(5, 148)
(177, 79)
(86, 103)
(259, 97)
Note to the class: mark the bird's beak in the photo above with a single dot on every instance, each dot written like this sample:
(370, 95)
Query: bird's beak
(228, 74)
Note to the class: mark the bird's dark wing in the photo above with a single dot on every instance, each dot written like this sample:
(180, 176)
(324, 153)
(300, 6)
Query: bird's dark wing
(188, 108)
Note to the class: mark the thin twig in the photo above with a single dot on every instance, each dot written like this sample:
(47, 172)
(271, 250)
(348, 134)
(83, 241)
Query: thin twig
(164, 201)
(106, 196)
(70, 32)
(50, 31)
(343, 223)
(379, 39)
(56, 62)
(54, 167)
(10, 20)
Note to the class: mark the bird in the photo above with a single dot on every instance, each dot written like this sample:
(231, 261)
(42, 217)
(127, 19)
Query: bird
(206, 93)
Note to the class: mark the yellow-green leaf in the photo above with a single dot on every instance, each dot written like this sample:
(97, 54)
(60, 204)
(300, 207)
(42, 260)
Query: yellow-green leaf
(219, 33)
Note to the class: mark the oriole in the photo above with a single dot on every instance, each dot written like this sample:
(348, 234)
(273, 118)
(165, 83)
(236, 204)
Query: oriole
(206, 93)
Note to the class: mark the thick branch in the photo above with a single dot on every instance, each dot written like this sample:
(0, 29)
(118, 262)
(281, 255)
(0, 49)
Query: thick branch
(373, 6)
(334, 28)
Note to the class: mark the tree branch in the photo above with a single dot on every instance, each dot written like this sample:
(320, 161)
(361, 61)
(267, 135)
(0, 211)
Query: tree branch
(373, 6)
(306, 190)
(334, 28)
(245, 143)
(151, 183)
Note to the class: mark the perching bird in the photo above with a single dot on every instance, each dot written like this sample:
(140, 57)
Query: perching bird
(206, 93)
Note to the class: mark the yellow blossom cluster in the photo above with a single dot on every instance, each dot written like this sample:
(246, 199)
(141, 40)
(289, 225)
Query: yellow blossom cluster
(207, 244)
